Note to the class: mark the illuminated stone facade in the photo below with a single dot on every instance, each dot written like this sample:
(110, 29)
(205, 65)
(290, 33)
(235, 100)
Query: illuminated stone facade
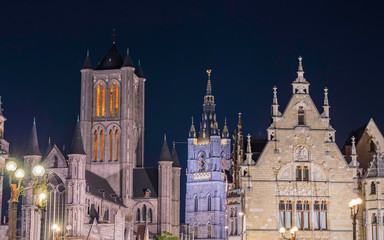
(300, 178)
(208, 155)
(99, 185)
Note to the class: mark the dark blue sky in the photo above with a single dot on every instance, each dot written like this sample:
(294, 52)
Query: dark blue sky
(250, 45)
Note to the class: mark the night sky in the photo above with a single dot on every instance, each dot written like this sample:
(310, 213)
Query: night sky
(250, 46)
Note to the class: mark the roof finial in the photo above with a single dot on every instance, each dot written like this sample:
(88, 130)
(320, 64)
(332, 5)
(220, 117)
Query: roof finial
(353, 145)
(326, 103)
(225, 120)
(174, 144)
(87, 52)
(78, 117)
(165, 137)
(275, 95)
(209, 86)
(127, 51)
(34, 120)
(139, 62)
(240, 124)
(49, 140)
(300, 64)
(300, 71)
(114, 36)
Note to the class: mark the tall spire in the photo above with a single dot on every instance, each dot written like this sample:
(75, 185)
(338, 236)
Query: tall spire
(192, 131)
(209, 86)
(77, 142)
(33, 144)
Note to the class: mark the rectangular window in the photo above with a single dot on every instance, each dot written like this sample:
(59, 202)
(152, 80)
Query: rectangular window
(298, 173)
(306, 216)
(299, 215)
(282, 214)
(305, 174)
(288, 215)
(323, 215)
(301, 116)
(316, 215)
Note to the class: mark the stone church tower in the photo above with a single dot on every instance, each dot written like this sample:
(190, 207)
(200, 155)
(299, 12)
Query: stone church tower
(208, 155)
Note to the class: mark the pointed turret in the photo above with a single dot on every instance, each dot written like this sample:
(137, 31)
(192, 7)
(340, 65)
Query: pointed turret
(248, 154)
(33, 144)
(192, 131)
(225, 133)
(175, 158)
(240, 124)
(77, 142)
(139, 71)
(127, 60)
(326, 104)
(165, 155)
(300, 85)
(87, 62)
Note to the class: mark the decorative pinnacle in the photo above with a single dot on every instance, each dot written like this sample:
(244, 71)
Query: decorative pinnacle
(300, 63)
(34, 120)
(49, 140)
(114, 36)
(209, 86)
(78, 117)
(165, 137)
(353, 145)
(139, 62)
(87, 52)
(326, 103)
(225, 120)
(274, 95)
(174, 144)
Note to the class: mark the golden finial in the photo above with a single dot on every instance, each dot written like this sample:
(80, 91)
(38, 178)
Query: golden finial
(173, 144)
(165, 137)
(209, 72)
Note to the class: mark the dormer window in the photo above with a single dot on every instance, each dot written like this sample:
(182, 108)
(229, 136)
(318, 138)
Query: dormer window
(147, 193)
(300, 115)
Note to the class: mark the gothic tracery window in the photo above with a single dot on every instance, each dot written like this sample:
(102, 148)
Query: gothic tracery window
(95, 145)
(285, 214)
(110, 145)
(209, 202)
(150, 215)
(117, 144)
(144, 213)
(196, 204)
(209, 230)
(101, 145)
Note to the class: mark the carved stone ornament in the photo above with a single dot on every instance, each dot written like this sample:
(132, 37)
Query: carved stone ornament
(301, 154)
(302, 104)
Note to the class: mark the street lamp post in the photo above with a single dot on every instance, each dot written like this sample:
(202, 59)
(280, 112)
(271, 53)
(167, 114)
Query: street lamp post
(354, 206)
(292, 232)
(56, 229)
(38, 186)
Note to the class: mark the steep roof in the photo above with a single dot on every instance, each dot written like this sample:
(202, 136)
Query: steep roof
(143, 179)
(175, 158)
(100, 187)
(112, 60)
(77, 142)
(33, 144)
(357, 133)
(87, 62)
(376, 168)
(165, 155)
(127, 60)
(139, 71)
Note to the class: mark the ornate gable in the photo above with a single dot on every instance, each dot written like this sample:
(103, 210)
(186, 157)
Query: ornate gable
(55, 159)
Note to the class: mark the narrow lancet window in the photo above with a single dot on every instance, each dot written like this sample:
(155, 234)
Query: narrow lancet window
(95, 143)
(117, 145)
(102, 145)
(111, 102)
(117, 101)
(110, 145)
(98, 101)
(103, 102)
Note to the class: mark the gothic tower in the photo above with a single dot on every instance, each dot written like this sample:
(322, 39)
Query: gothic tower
(4, 149)
(208, 155)
(112, 119)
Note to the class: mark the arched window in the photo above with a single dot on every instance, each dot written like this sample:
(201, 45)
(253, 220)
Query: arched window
(110, 144)
(98, 101)
(288, 215)
(117, 144)
(103, 101)
(138, 215)
(150, 215)
(323, 215)
(374, 226)
(209, 230)
(305, 222)
(111, 102)
(95, 143)
(117, 101)
(196, 204)
(300, 115)
(209, 202)
(144, 213)
(101, 145)
(196, 230)
(373, 188)
(372, 146)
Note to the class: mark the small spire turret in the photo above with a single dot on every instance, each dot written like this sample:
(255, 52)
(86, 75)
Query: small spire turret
(249, 151)
(240, 124)
(209, 86)
(33, 144)
(192, 130)
(275, 105)
(128, 60)
(165, 155)
(87, 62)
(175, 158)
(326, 103)
(300, 85)
(225, 133)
